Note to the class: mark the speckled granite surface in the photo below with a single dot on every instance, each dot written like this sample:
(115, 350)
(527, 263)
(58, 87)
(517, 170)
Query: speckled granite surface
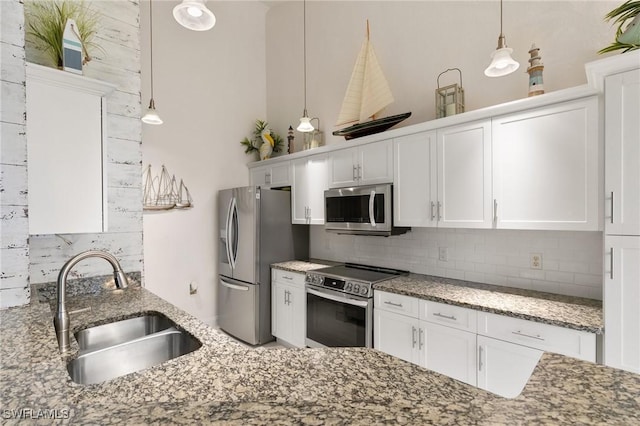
(225, 382)
(565, 311)
(302, 265)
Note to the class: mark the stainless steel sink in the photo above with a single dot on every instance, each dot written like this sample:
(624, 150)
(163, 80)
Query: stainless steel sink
(127, 348)
(113, 333)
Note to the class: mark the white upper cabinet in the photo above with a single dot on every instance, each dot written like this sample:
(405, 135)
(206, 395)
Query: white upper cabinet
(545, 167)
(412, 205)
(622, 145)
(66, 141)
(464, 176)
(272, 176)
(443, 178)
(363, 165)
(307, 195)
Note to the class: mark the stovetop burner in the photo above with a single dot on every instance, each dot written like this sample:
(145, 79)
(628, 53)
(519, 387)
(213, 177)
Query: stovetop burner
(351, 278)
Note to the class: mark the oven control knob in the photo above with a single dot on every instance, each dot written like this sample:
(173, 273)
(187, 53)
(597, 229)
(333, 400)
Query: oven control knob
(356, 288)
(348, 287)
(364, 290)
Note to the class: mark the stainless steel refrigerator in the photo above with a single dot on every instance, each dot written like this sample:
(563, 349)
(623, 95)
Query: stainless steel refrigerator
(255, 231)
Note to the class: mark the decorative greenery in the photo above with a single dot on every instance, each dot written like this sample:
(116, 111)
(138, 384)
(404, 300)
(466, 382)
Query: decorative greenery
(628, 10)
(46, 21)
(254, 143)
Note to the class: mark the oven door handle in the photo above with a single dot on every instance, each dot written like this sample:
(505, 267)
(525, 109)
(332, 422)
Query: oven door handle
(346, 300)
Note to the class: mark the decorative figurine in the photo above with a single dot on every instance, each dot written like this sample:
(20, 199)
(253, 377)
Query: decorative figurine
(290, 140)
(535, 71)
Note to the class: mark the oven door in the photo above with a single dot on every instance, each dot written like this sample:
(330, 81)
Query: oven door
(335, 319)
(359, 209)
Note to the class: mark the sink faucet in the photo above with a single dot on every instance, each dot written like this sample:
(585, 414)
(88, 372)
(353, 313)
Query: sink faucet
(61, 320)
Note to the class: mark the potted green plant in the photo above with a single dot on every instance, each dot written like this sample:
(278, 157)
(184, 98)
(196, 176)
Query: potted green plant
(629, 38)
(46, 20)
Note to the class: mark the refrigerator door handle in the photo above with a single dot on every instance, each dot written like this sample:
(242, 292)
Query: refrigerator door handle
(232, 233)
(227, 284)
(227, 231)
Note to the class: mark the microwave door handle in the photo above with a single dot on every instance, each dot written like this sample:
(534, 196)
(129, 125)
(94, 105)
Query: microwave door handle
(372, 198)
(338, 299)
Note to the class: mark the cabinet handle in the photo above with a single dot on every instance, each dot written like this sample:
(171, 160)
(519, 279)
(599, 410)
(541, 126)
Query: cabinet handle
(308, 212)
(439, 207)
(267, 178)
(286, 277)
(519, 333)
(359, 171)
(413, 335)
(479, 358)
(495, 211)
(611, 206)
(355, 172)
(421, 339)
(433, 211)
(611, 263)
(451, 317)
(399, 305)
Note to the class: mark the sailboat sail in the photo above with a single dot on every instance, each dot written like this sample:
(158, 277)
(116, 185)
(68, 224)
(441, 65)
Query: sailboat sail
(368, 92)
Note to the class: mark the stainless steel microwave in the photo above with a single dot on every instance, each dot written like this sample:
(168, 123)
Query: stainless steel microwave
(362, 210)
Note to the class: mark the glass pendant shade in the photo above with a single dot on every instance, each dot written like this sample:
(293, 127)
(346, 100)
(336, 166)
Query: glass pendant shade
(305, 123)
(501, 63)
(194, 15)
(151, 116)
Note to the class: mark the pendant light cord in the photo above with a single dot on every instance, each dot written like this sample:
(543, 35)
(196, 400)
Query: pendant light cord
(304, 50)
(151, 41)
(501, 18)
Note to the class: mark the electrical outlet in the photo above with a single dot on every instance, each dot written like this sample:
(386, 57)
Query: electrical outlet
(535, 260)
(443, 254)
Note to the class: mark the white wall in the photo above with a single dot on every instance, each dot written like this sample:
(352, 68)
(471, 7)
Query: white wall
(209, 88)
(417, 40)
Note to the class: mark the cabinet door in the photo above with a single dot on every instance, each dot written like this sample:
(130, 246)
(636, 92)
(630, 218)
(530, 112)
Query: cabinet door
(280, 175)
(413, 203)
(622, 145)
(343, 168)
(504, 368)
(621, 302)
(317, 183)
(464, 176)
(396, 335)
(66, 139)
(450, 352)
(546, 167)
(299, 192)
(375, 163)
(260, 176)
(280, 312)
(298, 304)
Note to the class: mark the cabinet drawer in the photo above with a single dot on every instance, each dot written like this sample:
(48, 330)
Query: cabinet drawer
(565, 341)
(449, 315)
(399, 303)
(288, 277)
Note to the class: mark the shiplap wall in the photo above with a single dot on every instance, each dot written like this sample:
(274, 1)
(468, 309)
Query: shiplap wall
(14, 232)
(118, 62)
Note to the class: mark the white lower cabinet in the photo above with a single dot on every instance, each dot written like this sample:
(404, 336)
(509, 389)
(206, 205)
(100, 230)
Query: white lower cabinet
(494, 352)
(504, 368)
(288, 307)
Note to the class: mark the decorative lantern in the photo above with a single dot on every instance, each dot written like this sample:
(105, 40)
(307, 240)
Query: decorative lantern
(449, 99)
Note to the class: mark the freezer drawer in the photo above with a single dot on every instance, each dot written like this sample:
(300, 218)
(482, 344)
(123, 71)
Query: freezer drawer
(238, 309)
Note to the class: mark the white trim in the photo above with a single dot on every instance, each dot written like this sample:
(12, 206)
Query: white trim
(68, 80)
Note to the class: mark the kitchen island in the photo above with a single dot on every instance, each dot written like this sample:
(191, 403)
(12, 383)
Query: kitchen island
(224, 381)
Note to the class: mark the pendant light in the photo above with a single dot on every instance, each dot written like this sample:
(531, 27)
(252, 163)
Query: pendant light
(501, 61)
(151, 117)
(305, 125)
(194, 15)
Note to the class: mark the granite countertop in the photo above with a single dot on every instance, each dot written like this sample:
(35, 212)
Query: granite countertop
(564, 311)
(225, 382)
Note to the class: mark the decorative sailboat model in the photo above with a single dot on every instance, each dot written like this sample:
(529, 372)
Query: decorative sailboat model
(367, 95)
(163, 193)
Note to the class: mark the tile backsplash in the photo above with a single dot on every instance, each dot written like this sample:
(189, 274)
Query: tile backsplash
(568, 263)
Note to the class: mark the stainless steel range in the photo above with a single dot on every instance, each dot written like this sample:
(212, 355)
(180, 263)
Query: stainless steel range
(340, 304)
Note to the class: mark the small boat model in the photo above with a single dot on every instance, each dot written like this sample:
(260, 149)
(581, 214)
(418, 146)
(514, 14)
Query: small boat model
(163, 193)
(368, 93)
